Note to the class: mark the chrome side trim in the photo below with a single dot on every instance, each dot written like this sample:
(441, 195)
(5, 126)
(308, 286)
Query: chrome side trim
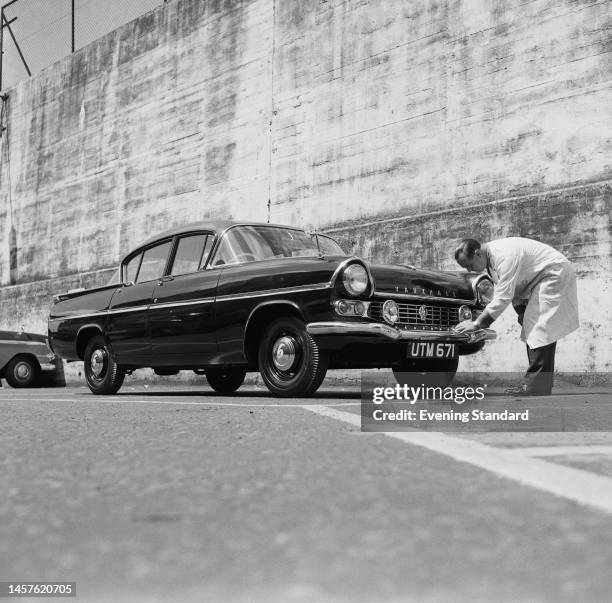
(123, 310)
(382, 330)
(285, 290)
(20, 342)
(452, 300)
(191, 302)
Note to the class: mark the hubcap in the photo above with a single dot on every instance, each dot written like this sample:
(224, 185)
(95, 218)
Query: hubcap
(284, 353)
(22, 370)
(97, 362)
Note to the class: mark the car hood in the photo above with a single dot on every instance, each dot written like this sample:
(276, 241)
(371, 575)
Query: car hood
(402, 279)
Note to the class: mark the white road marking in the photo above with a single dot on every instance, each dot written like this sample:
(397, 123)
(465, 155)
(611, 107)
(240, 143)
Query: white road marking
(101, 400)
(563, 450)
(573, 484)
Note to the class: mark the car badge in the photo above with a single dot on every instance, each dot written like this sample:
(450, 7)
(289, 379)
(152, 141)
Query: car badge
(423, 313)
(396, 289)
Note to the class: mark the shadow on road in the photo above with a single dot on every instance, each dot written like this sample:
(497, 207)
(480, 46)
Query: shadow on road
(245, 394)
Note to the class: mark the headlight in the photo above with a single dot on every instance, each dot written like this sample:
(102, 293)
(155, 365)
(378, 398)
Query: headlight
(390, 311)
(355, 279)
(484, 288)
(465, 313)
(351, 307)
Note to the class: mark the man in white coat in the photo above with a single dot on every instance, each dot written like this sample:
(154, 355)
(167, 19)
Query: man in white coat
(540, 283)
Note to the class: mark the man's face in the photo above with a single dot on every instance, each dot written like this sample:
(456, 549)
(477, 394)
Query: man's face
(477, 263)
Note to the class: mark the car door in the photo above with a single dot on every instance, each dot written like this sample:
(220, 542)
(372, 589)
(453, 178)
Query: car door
(181, 315)
(128, 320)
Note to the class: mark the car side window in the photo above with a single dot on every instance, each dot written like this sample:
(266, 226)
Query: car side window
(191, 254)
(154, 262)
(131, 268)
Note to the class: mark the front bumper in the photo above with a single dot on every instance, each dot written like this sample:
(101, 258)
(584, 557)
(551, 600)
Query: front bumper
(389, 333)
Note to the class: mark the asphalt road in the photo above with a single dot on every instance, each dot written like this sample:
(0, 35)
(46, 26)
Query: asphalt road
(182, 495)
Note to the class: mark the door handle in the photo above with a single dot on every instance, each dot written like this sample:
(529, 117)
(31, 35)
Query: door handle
(165, 279)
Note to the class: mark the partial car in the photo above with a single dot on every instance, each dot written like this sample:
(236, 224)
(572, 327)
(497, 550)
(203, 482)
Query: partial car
(27, 361)
(224, 299)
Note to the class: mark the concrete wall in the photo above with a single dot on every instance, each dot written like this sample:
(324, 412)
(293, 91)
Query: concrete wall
(399, 126)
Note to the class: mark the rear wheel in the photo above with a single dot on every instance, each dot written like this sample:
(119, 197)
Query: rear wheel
(426, 371)
(21, 371)
(290, 361)
(102, 374)
(225, 381)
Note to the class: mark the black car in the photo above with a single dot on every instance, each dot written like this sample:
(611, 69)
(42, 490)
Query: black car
(225, 298)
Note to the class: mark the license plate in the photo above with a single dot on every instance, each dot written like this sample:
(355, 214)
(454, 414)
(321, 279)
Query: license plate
(428, 349)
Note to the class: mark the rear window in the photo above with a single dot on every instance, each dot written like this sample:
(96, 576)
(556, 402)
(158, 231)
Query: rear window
(154, 262)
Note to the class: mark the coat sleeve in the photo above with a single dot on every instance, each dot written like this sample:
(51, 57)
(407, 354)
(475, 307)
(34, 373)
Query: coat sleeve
(508, 270)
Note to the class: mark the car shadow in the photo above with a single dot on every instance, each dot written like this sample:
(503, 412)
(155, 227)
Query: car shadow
(243, 394)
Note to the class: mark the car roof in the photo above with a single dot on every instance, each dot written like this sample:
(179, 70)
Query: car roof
(217, 226)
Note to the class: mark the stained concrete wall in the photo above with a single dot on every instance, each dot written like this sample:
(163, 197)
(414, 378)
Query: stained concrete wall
(399, 126)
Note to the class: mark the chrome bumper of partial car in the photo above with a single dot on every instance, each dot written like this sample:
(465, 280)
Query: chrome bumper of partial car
(393, 334)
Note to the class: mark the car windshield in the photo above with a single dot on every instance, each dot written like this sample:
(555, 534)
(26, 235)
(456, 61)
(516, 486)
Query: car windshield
(327, 245)
(253, 243)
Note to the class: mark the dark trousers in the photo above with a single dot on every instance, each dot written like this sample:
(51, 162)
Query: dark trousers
(539, 375)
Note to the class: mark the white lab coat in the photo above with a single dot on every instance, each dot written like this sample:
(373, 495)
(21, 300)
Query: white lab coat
(527, 271)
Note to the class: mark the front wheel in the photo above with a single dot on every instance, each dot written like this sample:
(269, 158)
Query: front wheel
(21, 371)
(225, 381)
(102, 374)
(425, 371)
(290, 361)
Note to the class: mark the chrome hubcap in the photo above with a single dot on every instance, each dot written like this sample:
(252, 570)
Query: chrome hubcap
(97, 362)
(284, 353)
(22, 371)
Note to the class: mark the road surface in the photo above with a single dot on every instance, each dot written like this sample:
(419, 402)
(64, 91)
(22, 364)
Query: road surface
(178, 494)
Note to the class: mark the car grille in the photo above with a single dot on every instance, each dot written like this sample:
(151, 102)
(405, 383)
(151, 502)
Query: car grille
(436, 317)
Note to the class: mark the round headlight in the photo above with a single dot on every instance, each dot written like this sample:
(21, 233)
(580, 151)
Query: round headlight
(465, 313)
(484, 288)
(355, 279)
(343, 307)
(390, 311)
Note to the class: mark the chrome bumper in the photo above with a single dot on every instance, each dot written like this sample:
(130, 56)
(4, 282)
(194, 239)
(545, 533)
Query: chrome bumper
(393, 334)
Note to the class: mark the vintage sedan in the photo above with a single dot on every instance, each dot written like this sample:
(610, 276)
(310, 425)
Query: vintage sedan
(27, 361)
(225, 298)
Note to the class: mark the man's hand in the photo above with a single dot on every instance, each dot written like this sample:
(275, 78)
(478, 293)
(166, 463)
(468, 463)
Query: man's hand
(466, 326)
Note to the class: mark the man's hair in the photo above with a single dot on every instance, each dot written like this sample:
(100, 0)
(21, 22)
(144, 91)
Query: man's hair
(467, 247)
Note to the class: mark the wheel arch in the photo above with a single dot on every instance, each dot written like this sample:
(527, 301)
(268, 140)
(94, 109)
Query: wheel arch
(84, 334)
(260, 317)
